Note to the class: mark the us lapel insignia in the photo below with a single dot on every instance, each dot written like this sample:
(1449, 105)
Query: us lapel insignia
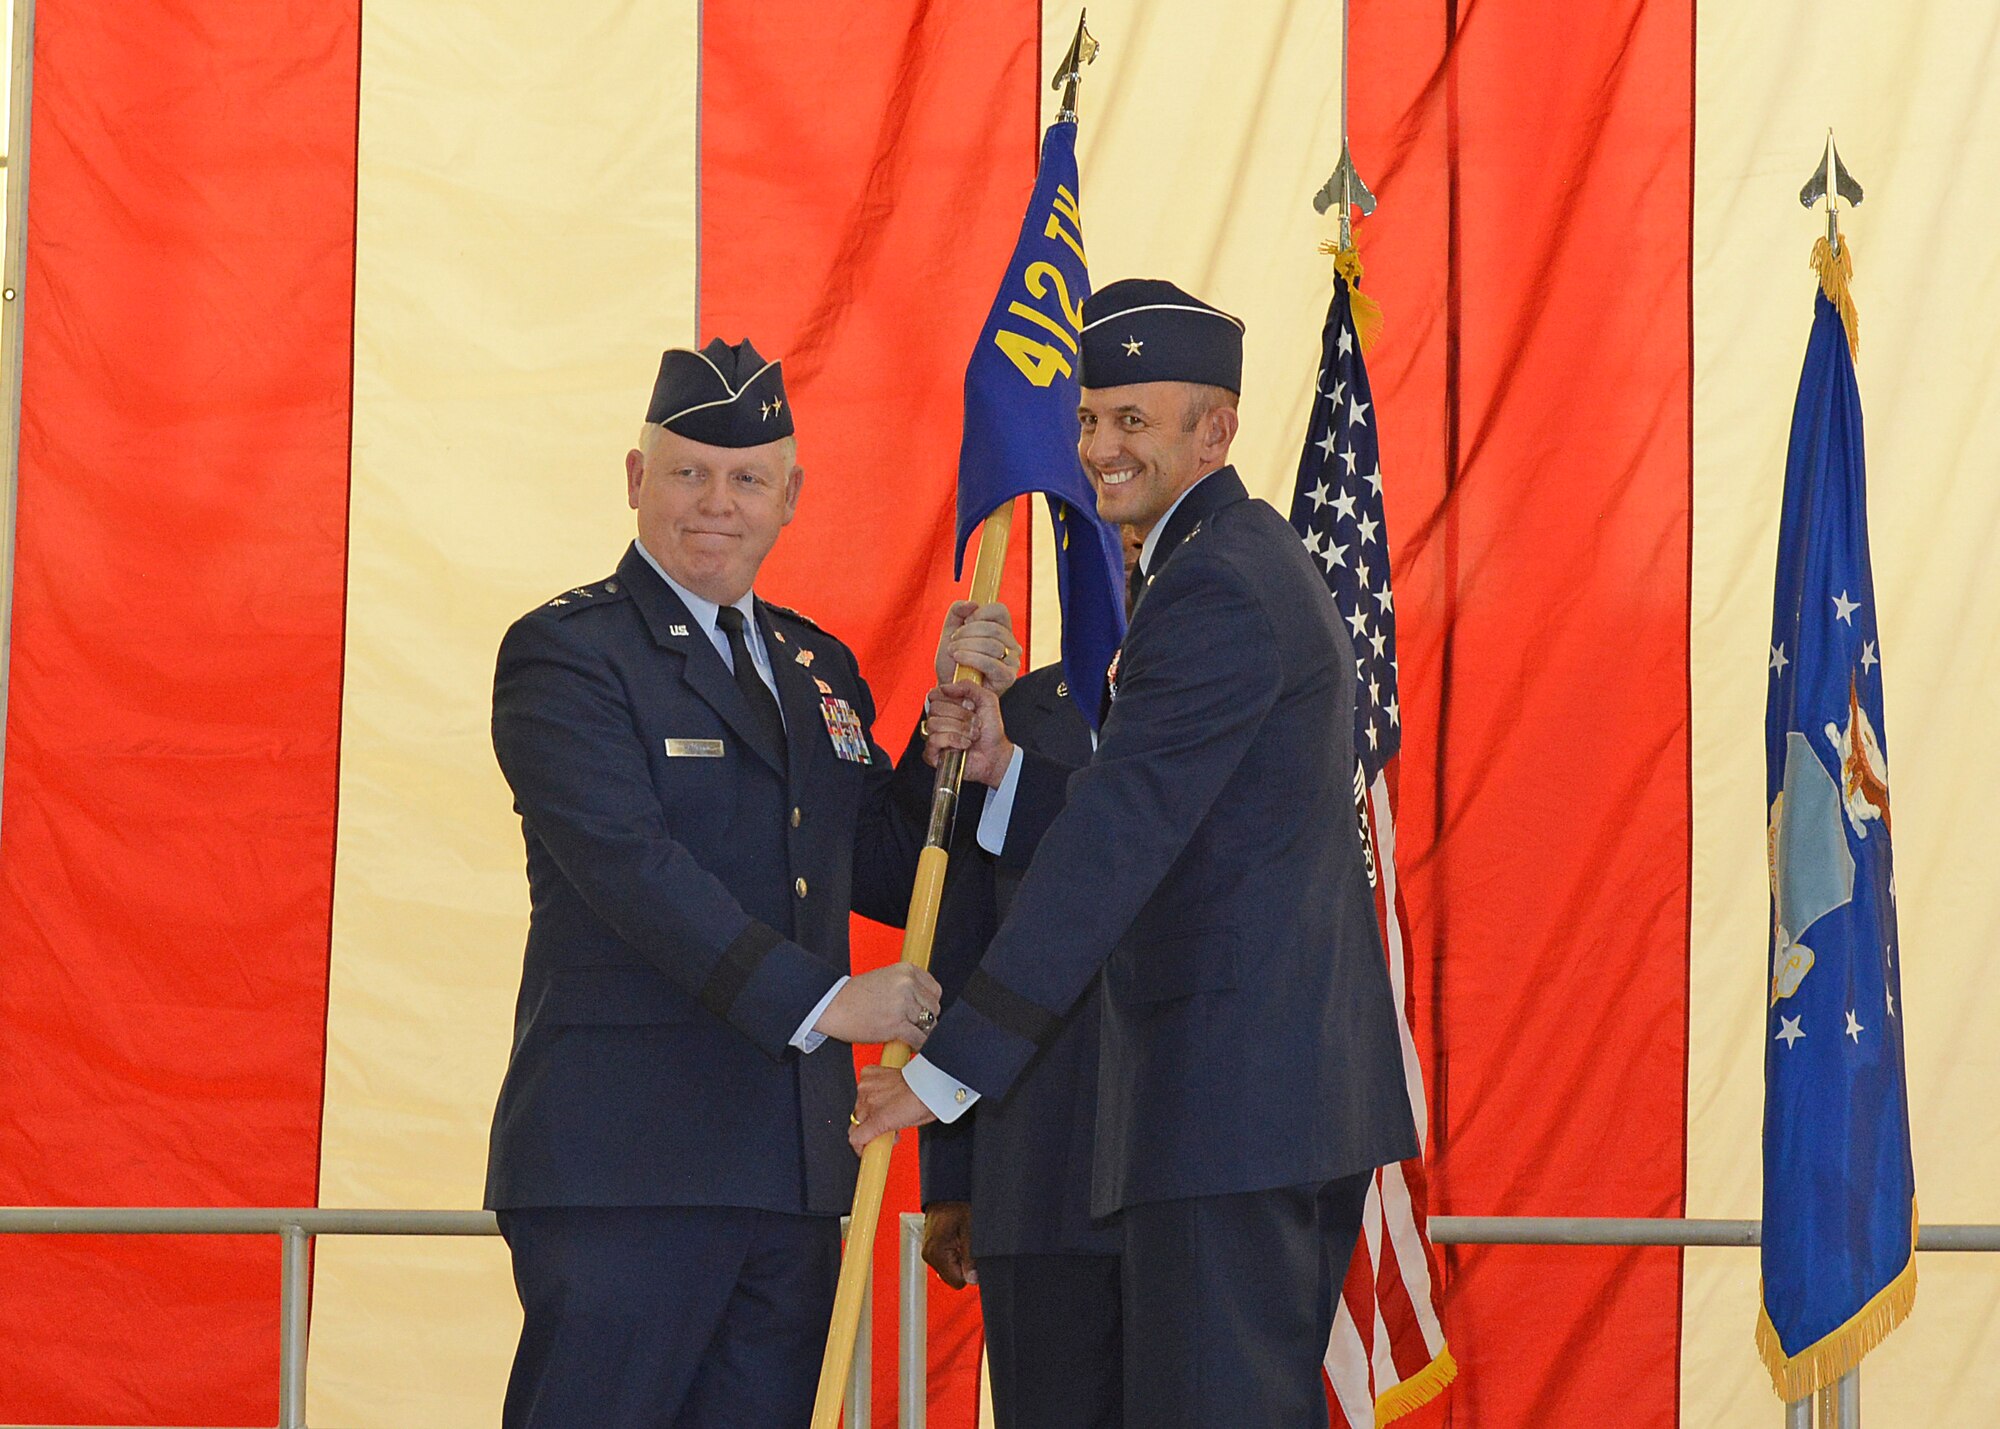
(677, 630)
(843, 726)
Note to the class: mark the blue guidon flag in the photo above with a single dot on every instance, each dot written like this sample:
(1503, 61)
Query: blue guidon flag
(1021, 397)
(1839, 1191)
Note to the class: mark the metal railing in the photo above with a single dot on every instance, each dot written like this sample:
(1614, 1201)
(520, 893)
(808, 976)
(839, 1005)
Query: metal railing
(295, 1230)
(1839, 1406)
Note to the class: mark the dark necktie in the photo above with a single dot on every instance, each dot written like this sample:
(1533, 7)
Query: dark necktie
(763, 704)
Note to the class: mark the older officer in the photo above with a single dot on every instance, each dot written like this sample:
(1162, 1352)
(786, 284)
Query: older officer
(1208, 861)
(703, 804)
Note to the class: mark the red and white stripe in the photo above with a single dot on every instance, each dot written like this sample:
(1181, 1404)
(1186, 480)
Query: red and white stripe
(1388, 1353)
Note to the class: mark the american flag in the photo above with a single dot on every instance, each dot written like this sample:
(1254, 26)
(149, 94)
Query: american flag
(1388, 1353)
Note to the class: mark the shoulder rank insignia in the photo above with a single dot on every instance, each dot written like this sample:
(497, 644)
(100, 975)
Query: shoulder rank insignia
(786, 610)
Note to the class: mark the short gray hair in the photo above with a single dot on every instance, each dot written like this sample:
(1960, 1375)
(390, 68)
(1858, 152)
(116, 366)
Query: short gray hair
(1204, 398)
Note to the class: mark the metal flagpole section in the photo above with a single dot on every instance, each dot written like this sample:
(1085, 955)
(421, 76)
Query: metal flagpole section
(294, 1312)
(861, 1372)
(21, 71)
(912, 1326)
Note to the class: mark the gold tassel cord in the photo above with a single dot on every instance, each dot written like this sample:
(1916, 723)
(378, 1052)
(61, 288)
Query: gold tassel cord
(1418, 1390)
(1368, 320)
(1836, 273)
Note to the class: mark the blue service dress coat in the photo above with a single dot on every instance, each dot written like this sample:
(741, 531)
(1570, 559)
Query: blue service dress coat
(690, 892)
(1022, 1163)
(1207, 858)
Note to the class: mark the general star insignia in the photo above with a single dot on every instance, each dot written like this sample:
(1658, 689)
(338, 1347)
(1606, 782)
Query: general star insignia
(1132, 346)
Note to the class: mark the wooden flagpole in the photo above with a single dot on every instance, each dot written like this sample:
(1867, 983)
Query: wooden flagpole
(919, 928)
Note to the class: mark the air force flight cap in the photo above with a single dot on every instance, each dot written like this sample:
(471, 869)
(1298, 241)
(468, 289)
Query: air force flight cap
(1148, 330)
(723, 396)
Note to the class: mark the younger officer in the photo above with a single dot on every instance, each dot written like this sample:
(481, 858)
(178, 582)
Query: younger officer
(1006, 1188)
(703, 806)
(1207, 859)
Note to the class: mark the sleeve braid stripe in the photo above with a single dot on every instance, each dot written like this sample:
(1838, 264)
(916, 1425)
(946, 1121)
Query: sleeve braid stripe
(734, 969)
(1008, 1010)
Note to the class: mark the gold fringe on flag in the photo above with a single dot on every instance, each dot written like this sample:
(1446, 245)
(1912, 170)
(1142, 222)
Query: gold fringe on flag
(1836, 271)
(1423, 1386)
(1367, 312)
(1825, 1360)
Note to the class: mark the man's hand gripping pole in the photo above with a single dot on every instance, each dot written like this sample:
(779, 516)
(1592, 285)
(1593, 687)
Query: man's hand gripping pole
(919, 929)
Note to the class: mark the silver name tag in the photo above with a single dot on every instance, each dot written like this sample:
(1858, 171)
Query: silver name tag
(694, 749)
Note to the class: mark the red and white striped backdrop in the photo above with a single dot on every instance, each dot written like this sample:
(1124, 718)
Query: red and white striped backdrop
(338, 319)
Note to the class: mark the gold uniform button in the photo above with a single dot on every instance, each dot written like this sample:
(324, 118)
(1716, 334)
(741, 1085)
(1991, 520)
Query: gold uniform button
(801, 887)
(796, 816)
(961, 1093)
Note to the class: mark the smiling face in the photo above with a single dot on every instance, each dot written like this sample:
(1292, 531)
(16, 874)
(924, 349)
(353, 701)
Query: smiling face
(709, 515)
(1144, 444)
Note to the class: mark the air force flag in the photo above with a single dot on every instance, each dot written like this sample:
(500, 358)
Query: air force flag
(1020, 419)
(1839, 1193)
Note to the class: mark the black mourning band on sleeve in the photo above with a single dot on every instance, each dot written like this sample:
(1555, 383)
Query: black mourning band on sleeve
(1008, 1010)
(734, 968)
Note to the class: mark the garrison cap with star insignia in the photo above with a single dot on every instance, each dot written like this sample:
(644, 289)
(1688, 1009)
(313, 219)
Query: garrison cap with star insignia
(721, 396)
(1148, 330)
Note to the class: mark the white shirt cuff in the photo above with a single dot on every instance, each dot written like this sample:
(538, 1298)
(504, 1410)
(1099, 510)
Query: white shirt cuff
(947, 1097)
(806, 1039)
(999, 810)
